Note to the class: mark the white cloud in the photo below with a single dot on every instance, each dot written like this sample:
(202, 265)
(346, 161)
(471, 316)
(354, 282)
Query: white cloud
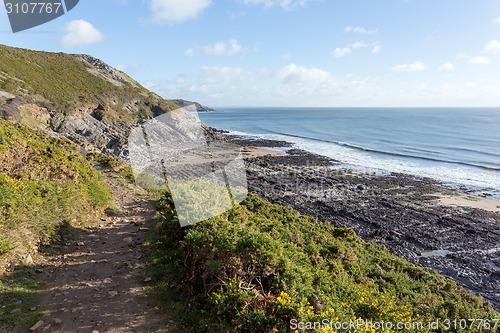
(80, 32)
(298, 74)
(493, 47)
(474, 60)
(217, 49)
(361, 30)
(130, 68)
(497, 20)
(433, 35)
(234, 47)
(295, 85)
(234, 16)
(230, 48)
(215, 74)
(175, 11)
(181, 79)
(359, 45)
(376, 49)
(298, 85)
(421, 86)
(446, 94)
(340, 52)
(448, 66)
(417, 66)
(479, 60)
(285, 4)
(293, 80)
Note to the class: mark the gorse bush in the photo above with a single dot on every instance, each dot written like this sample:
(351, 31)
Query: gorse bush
(44, 182)
(261, 267)
(47, 190)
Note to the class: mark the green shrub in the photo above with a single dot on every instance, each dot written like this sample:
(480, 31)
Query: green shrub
(258, 266)
(44, 182)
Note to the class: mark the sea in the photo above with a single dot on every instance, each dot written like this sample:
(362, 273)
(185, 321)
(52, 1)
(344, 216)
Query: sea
(459, 147)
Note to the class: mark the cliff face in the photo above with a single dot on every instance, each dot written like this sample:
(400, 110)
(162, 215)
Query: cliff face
(107, 72)
(77, 97)
(199, 107)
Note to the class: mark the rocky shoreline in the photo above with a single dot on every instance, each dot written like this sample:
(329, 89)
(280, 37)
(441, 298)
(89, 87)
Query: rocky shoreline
(396, 210)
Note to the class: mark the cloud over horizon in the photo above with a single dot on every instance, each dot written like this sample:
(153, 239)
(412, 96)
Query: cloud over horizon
(217, 74)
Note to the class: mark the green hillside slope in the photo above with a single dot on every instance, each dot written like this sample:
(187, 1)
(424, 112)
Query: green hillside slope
(71, 82)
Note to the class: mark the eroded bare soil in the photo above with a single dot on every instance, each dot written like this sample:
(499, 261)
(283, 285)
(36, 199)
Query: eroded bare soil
(96, 284)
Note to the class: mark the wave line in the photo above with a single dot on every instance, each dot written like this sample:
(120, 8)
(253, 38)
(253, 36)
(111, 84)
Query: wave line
(348, 145)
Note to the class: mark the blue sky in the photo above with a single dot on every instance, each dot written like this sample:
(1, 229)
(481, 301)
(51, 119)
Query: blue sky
(289, 52)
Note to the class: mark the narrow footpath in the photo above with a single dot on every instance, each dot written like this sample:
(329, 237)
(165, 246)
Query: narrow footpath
(96, 284)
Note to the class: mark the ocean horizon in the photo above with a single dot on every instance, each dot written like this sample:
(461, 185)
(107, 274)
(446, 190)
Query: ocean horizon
(457, 146)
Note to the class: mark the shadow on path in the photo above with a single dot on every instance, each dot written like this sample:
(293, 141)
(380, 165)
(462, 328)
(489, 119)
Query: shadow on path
(94, 283)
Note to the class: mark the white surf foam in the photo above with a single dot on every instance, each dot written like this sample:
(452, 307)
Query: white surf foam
(478, 180)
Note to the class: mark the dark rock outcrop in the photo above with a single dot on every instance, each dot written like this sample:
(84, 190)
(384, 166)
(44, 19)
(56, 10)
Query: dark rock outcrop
(93, 134)
(11, 110)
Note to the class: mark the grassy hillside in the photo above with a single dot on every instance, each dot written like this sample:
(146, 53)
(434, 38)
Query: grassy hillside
(69, 82)
(45, 182)
(259, 266)
(47, 187)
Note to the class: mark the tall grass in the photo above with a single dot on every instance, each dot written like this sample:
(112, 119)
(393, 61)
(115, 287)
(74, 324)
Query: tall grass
(44, 182)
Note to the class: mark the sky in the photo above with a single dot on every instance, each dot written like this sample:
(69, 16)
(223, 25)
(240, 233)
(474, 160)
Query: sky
(286, 53)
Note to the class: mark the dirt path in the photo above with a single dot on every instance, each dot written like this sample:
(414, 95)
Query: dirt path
(95, 286)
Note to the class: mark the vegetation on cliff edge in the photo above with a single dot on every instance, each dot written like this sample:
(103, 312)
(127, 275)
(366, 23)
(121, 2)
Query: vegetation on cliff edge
(47, 187)
(259, 266)
(45, 182)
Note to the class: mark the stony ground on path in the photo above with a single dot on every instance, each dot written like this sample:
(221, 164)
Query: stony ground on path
(96, 283)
